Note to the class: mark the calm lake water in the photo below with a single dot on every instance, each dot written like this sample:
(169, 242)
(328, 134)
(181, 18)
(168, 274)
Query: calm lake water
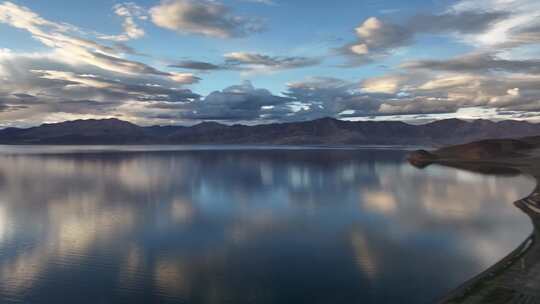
(245, 225)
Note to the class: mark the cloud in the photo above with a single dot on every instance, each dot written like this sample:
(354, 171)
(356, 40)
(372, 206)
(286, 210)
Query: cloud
(202, 17)
(417, 106)
(330, 97)
(377, 38)
(196, 65)
(255, 61)
(136, 89)
(267, 2)
(414, 93)
(525, 35)
(494, 77)
(4, 107)
(74, 50)
(386, 84)
(81, 75)
(37, 86)
(24, 18)
(520, 26)
(450, 92)
(320, 89)
(476, 80)
(130, 12)
(462, 22)
(250, 62)
(236, 103)
(477, 63)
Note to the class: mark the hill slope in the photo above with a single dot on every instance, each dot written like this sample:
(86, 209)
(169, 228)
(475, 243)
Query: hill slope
(324, 131)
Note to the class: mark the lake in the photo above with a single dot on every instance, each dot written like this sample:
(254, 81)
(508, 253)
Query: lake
(245, 225)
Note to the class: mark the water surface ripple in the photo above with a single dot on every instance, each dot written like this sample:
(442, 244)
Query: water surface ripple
(245, 226)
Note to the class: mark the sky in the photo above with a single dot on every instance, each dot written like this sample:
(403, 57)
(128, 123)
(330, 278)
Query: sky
(259, 61)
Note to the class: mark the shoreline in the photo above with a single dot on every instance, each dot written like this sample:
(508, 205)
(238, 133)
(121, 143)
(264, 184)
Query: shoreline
(516, 277)
(486, 286)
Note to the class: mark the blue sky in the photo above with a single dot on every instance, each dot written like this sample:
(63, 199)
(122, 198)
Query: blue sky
(256, 61)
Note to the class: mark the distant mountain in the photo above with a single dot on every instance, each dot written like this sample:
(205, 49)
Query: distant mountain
(325, 131)
(105, 131)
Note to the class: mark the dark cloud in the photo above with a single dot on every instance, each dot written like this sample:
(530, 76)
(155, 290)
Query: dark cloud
(525, 35)
(235, 103)
(239, 102)
(126, 49)
(35, 86)
(83, 107)
(320, 89)
(19, 99)
(24, 96)
(310, 99)
(484, 62)
(120, 65)
(326, 96)
(4, 107)
(196, 65)
(418, 105)
(244, 60)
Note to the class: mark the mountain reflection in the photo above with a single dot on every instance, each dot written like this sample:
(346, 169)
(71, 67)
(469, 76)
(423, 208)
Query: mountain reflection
(303, 226)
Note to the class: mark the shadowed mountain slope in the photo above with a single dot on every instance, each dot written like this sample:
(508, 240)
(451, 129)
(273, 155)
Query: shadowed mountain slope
(325, 131)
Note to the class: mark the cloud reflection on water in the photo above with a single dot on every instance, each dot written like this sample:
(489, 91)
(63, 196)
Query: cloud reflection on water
(268, 225)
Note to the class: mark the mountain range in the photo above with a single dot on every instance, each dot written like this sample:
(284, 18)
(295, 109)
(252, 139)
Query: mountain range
(325, 131)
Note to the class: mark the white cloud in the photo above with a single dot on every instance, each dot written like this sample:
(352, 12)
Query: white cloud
(451, 81)
(74, 50)
(386, 84)
(202, 17)
(23, 18)
(130, 12)
(521, 26)
(376, 38)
